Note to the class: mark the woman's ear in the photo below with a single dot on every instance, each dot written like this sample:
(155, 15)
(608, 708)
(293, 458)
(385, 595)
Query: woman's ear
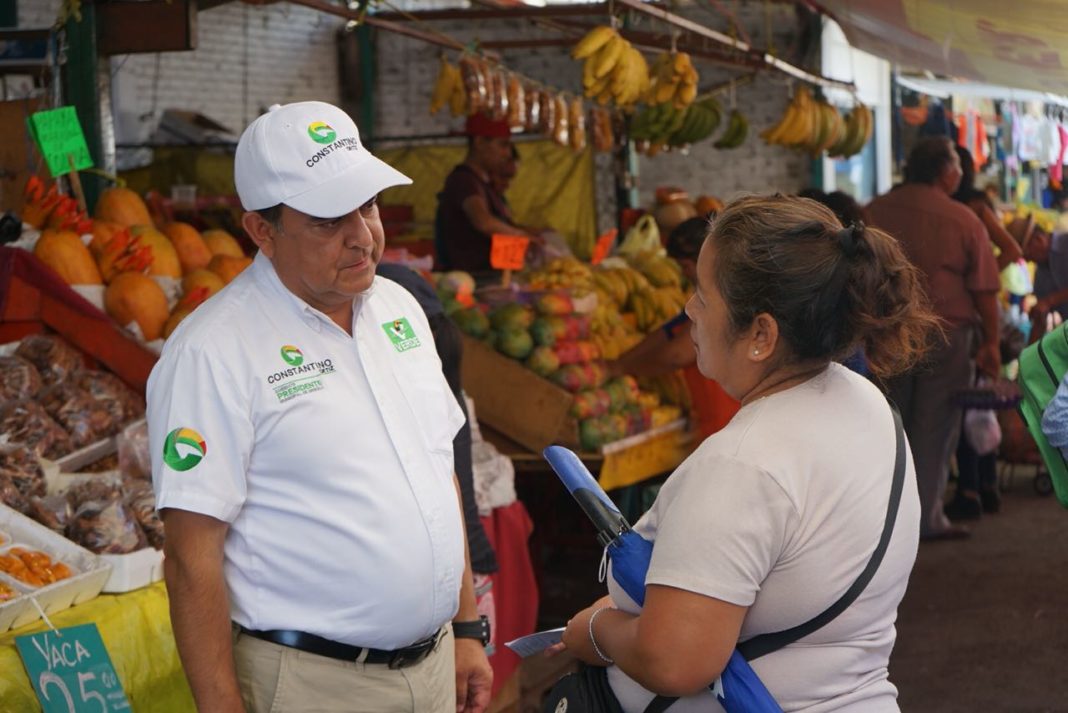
(763, 337)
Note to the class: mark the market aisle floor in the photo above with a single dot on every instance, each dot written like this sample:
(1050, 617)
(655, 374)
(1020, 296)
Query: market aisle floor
(984, 625)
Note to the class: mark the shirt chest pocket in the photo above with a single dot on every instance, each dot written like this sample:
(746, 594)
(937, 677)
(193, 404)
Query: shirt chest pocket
(429, 399)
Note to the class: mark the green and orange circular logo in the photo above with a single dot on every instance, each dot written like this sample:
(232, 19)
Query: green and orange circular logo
(321, 132)
(184, 448)
(292, 356)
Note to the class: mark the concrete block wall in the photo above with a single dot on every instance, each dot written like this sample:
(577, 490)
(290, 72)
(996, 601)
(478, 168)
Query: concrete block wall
(247, 58)
(406, 70)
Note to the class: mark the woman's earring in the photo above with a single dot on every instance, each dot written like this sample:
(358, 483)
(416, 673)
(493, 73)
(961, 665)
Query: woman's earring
(756, 352)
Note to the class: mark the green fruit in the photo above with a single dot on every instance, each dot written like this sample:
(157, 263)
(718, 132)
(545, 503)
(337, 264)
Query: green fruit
(543, 331)
(451, 306)
(543, 361)
(516, 343)
(492, 337)
(472, 322)
(512, 316)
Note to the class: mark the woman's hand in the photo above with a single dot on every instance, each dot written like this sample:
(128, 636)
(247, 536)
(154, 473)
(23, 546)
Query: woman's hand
(576, 639)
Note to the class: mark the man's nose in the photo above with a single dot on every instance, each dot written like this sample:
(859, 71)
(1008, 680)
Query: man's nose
(357, 232)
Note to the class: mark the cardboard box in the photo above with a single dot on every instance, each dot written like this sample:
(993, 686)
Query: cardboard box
(515, 401)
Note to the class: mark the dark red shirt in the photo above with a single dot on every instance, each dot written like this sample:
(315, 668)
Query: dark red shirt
(458, 244)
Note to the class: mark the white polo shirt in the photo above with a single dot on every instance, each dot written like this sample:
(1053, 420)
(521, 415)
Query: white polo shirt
(330, 456)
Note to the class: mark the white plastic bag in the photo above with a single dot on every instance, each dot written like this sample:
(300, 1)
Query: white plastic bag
(982, 430)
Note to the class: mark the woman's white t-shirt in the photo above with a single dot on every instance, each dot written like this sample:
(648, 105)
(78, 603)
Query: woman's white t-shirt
(780, 512)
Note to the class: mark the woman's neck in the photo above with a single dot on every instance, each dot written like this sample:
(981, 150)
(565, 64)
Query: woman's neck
(783, 378)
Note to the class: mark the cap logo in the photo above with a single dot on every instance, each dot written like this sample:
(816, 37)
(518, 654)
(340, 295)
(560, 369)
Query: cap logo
(321, 132)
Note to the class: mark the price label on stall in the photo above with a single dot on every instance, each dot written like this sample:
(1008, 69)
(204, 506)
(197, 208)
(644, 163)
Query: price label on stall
(71, 671)
(507, 252)
(59, 136)
(603, 246)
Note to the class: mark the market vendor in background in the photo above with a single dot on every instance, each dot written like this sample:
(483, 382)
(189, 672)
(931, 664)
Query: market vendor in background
(670, 348)
(301, 435)
(470, 209)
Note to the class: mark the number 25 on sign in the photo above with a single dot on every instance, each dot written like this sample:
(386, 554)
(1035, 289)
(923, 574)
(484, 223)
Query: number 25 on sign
(71, 671)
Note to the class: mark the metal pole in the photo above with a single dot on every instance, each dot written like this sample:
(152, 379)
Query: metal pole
(82, 89)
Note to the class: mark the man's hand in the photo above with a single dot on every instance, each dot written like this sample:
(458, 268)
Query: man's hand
(988, 360)
(474, 677)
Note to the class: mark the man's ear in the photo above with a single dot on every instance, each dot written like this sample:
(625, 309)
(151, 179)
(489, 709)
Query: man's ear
(260, 231)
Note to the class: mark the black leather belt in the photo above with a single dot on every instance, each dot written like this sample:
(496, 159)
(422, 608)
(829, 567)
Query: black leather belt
(399, 658)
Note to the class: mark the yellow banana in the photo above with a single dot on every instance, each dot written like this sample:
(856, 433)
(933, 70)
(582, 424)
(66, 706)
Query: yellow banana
(443, 87)
(608, 56)
(594, 40)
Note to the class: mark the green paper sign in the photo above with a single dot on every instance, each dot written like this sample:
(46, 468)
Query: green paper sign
(71, 671)
(58, 135)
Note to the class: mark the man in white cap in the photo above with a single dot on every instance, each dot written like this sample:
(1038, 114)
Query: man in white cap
(301, 434)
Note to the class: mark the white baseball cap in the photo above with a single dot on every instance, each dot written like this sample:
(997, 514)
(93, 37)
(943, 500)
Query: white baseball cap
(308, 156)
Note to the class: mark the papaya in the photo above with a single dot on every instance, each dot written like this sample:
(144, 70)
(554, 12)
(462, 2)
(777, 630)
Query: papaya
(64, 252)
(228, 267)
(202, 280)
(165, 261)
(116, 251)
(193, 252)
(122, 206)
(133, 297)
(221, 242)
(180, 312)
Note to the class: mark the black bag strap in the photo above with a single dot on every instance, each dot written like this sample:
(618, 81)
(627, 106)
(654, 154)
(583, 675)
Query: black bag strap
(766, 643)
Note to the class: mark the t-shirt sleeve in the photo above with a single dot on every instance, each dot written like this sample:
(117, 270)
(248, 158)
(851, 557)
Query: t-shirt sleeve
(462, 185)
(982, 275)
(721, 526)
(200, 435)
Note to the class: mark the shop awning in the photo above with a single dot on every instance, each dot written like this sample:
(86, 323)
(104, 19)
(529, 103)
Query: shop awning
(1016, 43)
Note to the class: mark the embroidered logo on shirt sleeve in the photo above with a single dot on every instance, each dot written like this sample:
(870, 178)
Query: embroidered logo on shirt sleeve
(183, 449)
(401, 334)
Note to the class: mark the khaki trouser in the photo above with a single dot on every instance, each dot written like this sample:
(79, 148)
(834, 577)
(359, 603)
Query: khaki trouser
(279, 679)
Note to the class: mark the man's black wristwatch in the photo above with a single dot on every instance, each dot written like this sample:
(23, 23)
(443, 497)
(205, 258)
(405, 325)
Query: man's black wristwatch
(473, 630)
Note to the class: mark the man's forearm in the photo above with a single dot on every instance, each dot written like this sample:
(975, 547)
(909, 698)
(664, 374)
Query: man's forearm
(986, 304)
(200, 617)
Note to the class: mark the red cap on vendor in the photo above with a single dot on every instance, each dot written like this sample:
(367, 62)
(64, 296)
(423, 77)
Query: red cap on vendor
(482, 125)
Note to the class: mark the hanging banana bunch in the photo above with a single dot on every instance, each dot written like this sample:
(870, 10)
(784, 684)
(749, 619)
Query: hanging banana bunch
(674, 80)
(613, 71)
(449, 89)
(856, 134)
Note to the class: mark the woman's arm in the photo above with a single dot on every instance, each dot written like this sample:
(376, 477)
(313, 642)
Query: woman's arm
(1010, 249)
(679, 644)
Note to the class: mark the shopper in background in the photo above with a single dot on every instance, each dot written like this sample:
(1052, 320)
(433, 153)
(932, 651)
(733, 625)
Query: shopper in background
(980, 203)
(977, 475)
(301, 432)
(950, 246)
(772, 518)
(502, 179)
(470, 210)
(1050, 255)
(670, 348)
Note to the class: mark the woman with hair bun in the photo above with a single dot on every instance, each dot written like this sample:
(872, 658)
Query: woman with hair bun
(774, 517)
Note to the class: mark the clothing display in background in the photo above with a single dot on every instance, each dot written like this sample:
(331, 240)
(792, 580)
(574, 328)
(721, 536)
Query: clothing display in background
(971, 134)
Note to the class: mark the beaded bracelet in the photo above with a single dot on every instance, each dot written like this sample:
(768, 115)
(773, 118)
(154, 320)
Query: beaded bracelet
(593, 641)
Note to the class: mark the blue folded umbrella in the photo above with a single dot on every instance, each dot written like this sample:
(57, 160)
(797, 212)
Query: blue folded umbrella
(739, 689)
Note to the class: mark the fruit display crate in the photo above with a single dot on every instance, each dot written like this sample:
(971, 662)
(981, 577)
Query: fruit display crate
(535, 413)
(33, 297)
